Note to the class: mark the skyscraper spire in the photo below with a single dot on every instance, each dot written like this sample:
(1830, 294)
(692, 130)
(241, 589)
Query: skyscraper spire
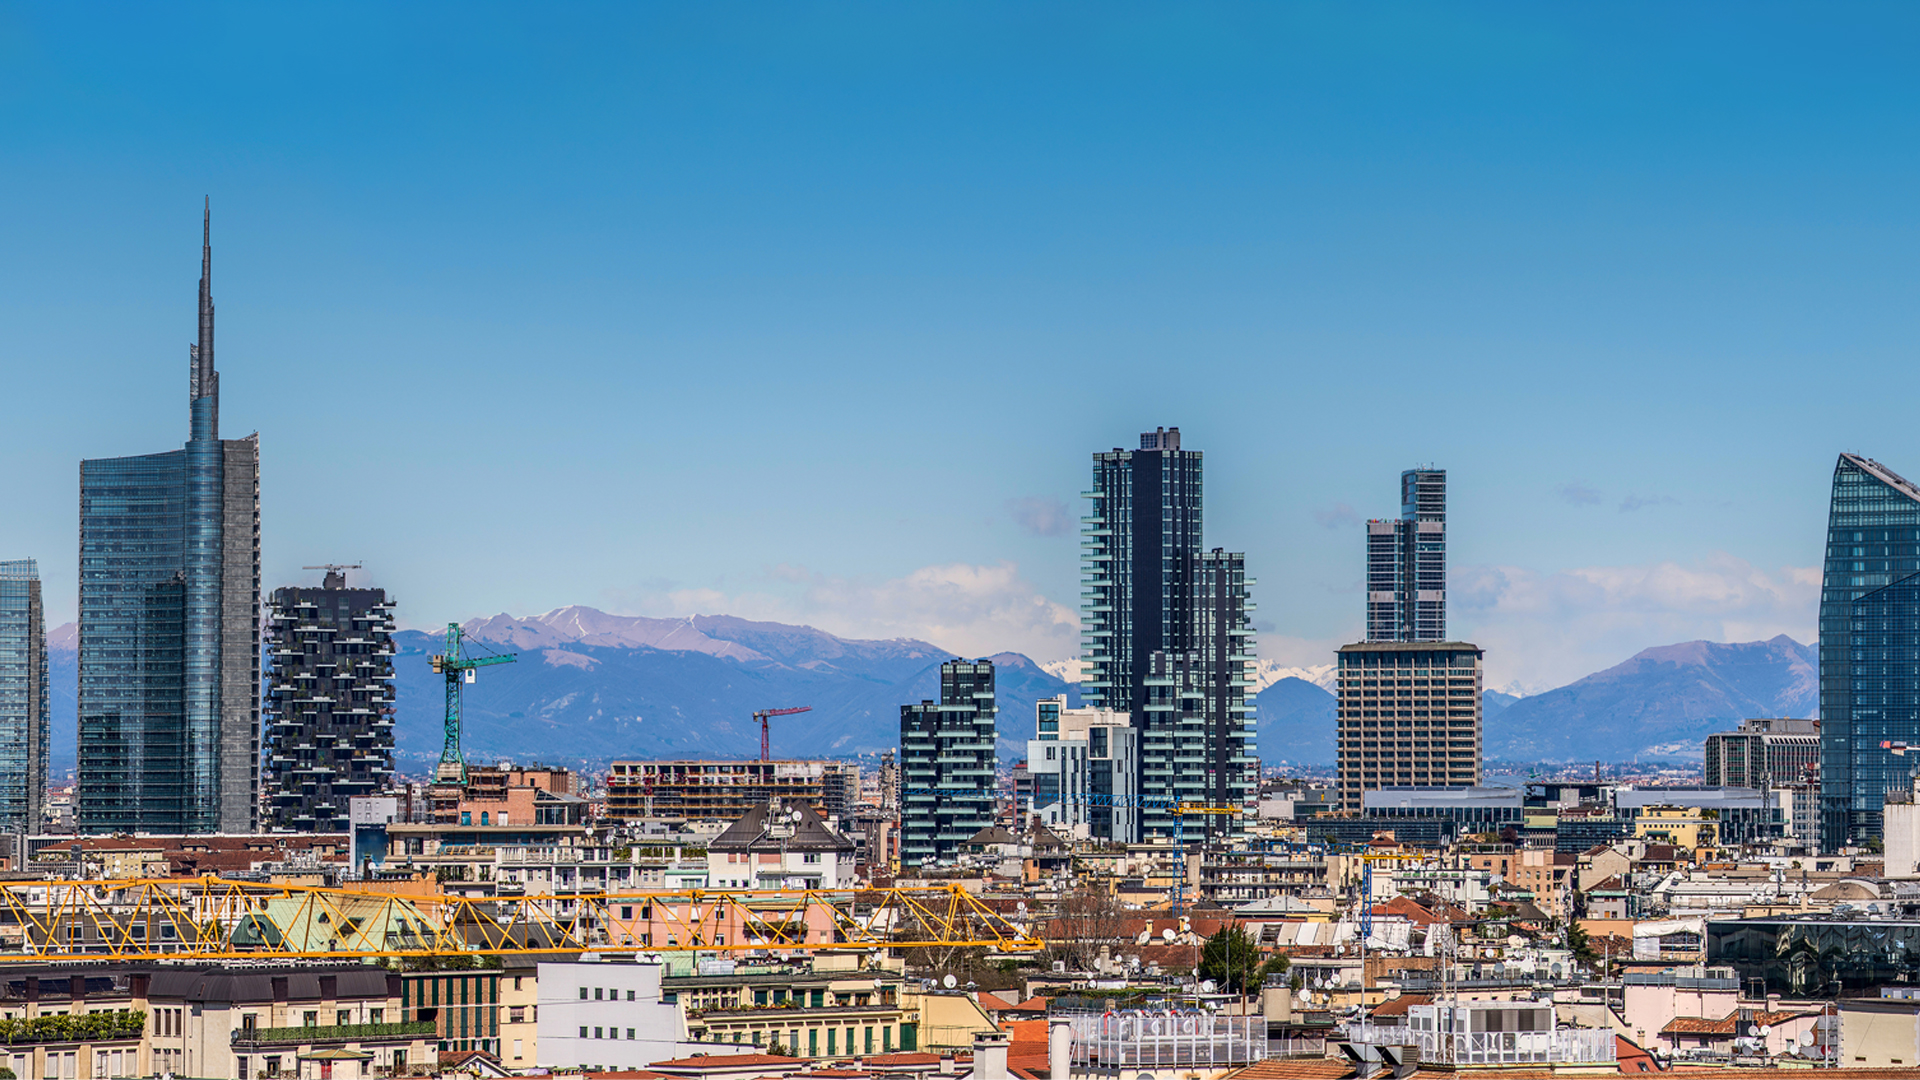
(206, 380)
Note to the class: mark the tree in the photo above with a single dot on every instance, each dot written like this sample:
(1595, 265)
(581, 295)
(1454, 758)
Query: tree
(1088, 918)
(1231, 958)
(1581, 945)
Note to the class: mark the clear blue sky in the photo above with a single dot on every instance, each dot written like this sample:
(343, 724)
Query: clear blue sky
(816, 311)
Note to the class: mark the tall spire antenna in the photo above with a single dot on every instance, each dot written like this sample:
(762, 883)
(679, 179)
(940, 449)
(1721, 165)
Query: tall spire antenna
(206, 380)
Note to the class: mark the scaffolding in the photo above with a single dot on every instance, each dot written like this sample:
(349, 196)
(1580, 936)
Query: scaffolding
(210, 918)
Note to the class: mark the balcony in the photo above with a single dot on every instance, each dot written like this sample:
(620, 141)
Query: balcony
(262, 1038)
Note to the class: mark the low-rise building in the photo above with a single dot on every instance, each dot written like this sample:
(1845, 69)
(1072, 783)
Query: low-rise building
(780, 845)
(832, 1006)
(611, 1014)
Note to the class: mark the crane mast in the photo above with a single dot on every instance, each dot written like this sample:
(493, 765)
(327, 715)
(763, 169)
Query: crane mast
(459, 670)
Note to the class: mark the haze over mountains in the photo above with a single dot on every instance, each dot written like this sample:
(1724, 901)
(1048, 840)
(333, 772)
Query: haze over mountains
(590, 687)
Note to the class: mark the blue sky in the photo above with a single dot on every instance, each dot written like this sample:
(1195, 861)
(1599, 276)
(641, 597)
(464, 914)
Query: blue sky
(816, 311)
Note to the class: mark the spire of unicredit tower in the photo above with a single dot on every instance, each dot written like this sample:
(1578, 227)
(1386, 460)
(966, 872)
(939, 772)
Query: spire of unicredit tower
(206, 380)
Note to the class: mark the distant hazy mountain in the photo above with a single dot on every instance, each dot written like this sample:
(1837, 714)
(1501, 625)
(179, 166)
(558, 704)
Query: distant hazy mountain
(1663, 702)
(589, 686)
(1296, 722)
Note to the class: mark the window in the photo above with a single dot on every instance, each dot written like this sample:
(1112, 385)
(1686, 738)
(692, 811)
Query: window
(630, 995)
(466, 817)
(376, 1016)
(583, 1031)
(599, 993)
(629, 1033)
(310, 1018)
(516, 982)
(810, 857)
(832, 1039)
(342, 1017)
(484, 819)
(516, 1015)
(583, 993)
(597, 1033)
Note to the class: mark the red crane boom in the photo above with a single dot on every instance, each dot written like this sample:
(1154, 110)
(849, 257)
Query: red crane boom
(761, 715)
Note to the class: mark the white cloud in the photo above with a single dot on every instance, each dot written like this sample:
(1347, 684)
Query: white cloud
(1041, 516)
(971, 610)
(1547, 630)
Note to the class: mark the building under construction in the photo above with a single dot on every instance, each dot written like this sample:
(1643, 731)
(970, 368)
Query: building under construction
(726, 790)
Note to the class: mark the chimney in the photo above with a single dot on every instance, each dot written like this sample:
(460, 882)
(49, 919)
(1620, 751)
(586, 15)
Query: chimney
(946, 1063)
(990, 1056)
(1059, 1047)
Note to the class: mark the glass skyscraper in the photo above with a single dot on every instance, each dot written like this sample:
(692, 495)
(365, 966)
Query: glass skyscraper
(1166, 636)
(1407, 563)
(170, 623)
(24, 698)
(1869, 646)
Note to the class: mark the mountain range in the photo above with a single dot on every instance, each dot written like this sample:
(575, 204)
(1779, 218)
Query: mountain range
(589, 687)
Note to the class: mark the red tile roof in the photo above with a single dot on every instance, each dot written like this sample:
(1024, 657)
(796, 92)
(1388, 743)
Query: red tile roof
(731, 1061)
(1294, 1069)
(1399, 1006)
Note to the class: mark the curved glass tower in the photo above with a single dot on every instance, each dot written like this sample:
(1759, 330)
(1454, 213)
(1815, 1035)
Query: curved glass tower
(170, 623)
(1869, 646)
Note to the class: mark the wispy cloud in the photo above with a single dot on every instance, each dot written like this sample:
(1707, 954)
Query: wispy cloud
(1550, 629)
(1039, 515)
(1337, 516)
(1577, 493)
(1636, 502)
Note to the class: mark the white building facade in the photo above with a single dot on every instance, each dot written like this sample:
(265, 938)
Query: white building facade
(610, 1014)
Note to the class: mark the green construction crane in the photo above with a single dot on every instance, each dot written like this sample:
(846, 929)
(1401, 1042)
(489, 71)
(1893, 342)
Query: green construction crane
(458, 669)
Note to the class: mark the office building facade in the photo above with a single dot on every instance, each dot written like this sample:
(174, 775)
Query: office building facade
(24, 698)
(947, 764)
(329, 705)
(170, 624)
(1869, 646)
(703, 790)
(1408, 716)
(1084, 766)
(1768, 753)
(1407, 563)
(1166, 635)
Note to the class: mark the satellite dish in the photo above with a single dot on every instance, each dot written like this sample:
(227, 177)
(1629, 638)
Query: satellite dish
(1208, 987)
(1167, 935)
(1765, 1030)
(1145, 936)
(949, 982)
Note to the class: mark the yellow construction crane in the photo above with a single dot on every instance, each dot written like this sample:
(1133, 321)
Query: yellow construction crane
(210, 918)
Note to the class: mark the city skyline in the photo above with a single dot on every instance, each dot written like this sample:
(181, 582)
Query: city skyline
(1610, 294)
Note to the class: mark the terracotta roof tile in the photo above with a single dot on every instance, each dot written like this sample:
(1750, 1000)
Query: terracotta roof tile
(1294, 1069)
(731, 1061)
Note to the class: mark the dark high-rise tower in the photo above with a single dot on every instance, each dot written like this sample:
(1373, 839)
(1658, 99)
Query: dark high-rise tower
(947, 764)
(329, 711)
(24, 698)
(1869, 646)
(1407, 563)
(170, 622)
(1166, 636)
